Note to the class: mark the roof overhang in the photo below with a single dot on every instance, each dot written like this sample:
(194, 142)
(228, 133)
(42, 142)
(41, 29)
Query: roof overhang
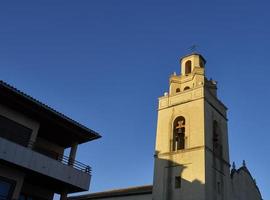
(66, 130)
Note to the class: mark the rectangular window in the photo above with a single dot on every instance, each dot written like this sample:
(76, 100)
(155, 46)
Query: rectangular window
(177, 183)
(219, 187)
(6, 188)
(14, 131)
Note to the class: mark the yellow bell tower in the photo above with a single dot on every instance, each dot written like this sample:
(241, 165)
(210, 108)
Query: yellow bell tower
(191, 153)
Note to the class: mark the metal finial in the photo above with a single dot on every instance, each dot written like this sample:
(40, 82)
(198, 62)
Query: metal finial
(193, 48)
(244, 163)
(233, 166)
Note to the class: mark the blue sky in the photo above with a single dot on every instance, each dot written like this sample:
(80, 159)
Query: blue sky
(105, 63)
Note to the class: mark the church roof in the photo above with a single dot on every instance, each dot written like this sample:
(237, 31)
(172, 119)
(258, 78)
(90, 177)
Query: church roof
(139, 190)
(235, 172)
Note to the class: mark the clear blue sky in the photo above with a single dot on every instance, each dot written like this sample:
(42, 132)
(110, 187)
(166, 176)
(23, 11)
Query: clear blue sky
(105, 63)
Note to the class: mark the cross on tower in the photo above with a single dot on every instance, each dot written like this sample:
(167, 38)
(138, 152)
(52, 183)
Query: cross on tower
(193, 48)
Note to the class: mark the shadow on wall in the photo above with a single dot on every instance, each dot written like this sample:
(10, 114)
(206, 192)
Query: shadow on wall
(170, 181)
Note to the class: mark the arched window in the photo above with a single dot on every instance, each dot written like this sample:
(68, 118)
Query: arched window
(177, 90)
(217, 145)
(178, 141)
(188, 67)
(186, 88)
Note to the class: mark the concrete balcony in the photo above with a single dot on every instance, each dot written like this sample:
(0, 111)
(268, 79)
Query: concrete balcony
(70, 172)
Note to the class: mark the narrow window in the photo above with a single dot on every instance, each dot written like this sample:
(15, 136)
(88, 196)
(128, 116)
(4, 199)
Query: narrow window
(186, 88)
(217, 145)
(201, 63)
(188, 67)
(218, 187)
(179, 133)
(177, 182)
(215, 136)
(177, 90)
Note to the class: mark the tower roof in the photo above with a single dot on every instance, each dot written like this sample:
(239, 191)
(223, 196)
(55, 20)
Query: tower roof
(195, 54)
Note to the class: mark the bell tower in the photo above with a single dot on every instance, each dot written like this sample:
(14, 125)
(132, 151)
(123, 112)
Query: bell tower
(191, 152)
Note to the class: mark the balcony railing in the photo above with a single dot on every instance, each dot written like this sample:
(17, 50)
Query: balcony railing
(56, 156)
(75, 164)
(61, 158)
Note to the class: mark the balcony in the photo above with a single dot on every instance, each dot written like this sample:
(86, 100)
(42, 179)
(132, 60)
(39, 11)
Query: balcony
(46, 164)
(61, 158)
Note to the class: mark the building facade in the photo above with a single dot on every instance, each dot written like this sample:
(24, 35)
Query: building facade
(192, 151)
(33, 138)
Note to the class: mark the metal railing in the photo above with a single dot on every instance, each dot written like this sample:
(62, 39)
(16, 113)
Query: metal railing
(56, 156)
(63, 159)
(75, 164)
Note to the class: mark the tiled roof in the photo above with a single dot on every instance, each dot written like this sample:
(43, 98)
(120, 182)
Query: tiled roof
(40, 104)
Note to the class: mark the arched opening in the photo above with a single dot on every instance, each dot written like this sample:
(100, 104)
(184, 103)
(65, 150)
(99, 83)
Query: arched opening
(179, 133)
(186, 88)
(201, 64)
(177, 90)
(188, 67)
(217, 145)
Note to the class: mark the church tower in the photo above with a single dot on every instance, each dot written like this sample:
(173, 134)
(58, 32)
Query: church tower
(191, 152)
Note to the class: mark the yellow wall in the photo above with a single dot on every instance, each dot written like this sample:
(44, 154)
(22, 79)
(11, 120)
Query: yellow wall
(199, 106)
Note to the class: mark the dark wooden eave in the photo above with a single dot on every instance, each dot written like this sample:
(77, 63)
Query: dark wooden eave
(65, 129)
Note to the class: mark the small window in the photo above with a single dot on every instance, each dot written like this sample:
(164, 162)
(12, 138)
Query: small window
(218, 187)
(177, 183)
(186, 88)
(188, 67)
(177, 90)
(217, 144)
